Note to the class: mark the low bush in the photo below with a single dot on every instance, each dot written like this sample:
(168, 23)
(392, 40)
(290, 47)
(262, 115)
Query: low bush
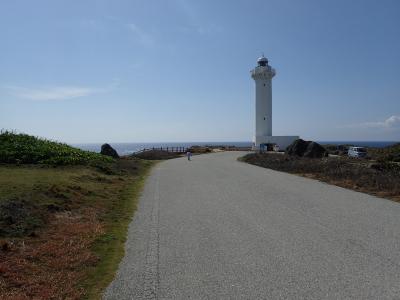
(156, 155)
(200, 149)
(390, 153)
(19, 218)
(27, 149)
(379, 178)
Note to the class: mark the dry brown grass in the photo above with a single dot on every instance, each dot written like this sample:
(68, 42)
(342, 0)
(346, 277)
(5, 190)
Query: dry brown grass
(79, 218)
(157, 155)
(50, 265)
(377, 178)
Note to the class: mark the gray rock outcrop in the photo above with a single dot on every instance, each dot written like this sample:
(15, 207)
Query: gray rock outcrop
(306, 149)
(298, 147)
(106, 149)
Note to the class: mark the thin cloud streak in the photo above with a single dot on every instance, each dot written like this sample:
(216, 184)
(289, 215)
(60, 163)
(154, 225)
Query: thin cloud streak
(393, 122)
(56, 93)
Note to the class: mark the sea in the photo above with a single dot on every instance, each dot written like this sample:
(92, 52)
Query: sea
(129, 148)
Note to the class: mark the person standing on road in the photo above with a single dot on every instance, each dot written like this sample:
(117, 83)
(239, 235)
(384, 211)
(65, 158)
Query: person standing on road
(189, 155)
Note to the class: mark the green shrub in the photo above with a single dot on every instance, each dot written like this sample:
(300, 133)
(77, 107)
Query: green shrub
(27, 149)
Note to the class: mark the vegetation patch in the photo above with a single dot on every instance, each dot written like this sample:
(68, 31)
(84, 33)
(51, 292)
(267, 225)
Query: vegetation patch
(109, 246)
(27, 149)
(63, 224)
(200, 149)
(384, 154)
(19, 217)
(50, 265)
(157, 155)
(374, 177)
(390, 153)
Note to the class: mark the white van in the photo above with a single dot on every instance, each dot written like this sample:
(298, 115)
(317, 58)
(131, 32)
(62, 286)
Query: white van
(357, 152)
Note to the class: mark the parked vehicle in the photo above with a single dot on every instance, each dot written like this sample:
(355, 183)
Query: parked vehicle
(357, 152)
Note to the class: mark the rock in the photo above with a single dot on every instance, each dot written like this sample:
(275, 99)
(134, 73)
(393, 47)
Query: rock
(106, 149)
(298, 147)
(306, 149)
(315, 150)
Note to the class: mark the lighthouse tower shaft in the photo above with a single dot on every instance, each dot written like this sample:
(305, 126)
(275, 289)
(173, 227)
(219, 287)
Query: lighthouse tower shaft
(262, 75)
(263, 107)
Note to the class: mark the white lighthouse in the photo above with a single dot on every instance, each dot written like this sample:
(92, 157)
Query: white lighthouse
(262, 75)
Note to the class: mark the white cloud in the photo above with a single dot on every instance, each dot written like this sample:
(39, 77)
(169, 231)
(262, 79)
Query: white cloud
(56, 92)
(391, 122)
(142, 37)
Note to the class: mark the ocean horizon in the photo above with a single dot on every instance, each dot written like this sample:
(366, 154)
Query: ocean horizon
(129, 148)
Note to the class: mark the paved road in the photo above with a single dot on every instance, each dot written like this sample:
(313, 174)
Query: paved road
(216, 228)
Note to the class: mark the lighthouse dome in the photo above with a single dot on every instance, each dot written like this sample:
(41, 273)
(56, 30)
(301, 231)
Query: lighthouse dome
(262, 61)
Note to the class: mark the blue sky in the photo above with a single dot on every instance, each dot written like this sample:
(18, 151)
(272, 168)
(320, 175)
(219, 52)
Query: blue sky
(178, 70)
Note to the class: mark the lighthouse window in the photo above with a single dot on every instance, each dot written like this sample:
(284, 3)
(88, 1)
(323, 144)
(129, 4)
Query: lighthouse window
(264, 118)
(264, 84)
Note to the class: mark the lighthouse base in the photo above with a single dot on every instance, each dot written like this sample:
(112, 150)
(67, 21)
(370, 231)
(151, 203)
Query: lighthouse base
(281, 141)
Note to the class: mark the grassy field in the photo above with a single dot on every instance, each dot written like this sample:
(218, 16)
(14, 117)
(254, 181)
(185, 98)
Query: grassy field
(63, 225)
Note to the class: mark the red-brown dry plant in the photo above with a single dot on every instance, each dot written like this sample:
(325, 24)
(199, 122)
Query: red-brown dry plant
(51, 265)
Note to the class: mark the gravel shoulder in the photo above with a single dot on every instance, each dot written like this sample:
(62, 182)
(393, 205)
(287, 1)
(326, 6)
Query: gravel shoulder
(217, 228)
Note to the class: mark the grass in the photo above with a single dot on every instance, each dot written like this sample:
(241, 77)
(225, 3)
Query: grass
(110, 246)
(36, 187)
(63, 217)
(93, 209)
(377, 178)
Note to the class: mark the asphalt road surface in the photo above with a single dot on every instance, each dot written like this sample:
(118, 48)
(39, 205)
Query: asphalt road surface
(217, 228)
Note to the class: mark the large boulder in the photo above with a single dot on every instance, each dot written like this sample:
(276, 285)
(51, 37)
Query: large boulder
(298, 147)
(315, 150)
(106, 149)
(306, 149)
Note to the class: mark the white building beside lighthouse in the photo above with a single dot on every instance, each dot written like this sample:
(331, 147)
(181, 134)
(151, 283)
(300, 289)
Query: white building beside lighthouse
(262, 75)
